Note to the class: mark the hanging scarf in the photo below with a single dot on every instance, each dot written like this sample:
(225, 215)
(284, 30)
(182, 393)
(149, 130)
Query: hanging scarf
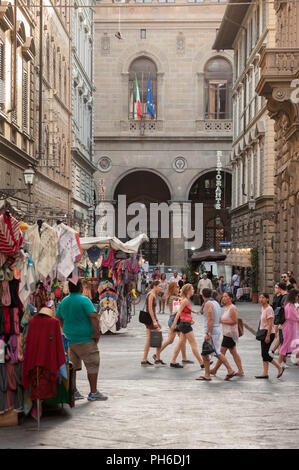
(132, 265)
(108, 257)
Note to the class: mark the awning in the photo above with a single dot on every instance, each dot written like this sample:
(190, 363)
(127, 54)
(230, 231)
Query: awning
(236, 257)
(131, 246)
(207, 255)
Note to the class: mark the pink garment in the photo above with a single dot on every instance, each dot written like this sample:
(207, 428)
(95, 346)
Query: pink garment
(266, 314)
(289, 329)
(11, 237)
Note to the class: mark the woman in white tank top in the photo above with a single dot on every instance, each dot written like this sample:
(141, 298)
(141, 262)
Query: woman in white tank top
(229, 321)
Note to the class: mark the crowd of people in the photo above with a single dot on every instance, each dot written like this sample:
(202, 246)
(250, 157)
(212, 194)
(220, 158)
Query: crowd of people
(222, 326)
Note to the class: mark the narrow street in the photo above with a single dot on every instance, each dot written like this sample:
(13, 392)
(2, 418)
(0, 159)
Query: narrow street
(166, 408)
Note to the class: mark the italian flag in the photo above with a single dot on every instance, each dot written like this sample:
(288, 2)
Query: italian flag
(139, 112)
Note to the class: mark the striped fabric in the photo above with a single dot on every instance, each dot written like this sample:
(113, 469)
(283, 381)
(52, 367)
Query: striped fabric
(186, 314)
(11, 237)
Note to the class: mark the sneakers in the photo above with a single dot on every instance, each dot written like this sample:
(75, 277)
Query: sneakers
(176, 365)
(96, 396)
(160, 362)
(187, 361)
(78, 396)
(146, 363)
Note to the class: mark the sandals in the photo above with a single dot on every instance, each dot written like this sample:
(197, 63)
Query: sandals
(262, 376)
(203, 366)
(176, 365)
(202, 379)
(230, 376)
(146, 363)
(279, 375)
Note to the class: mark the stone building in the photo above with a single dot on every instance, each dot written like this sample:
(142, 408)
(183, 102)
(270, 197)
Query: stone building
(279, 86)
(247, 29)
(172, 156)
(17, 57)
(35, 127)
(82, 119)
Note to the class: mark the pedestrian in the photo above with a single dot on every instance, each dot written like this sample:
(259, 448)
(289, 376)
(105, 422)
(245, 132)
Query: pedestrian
(155, 275)
(204, 283)
(175, 277)
(80, 324)
(220, 287)
(163, 290)
(279, 298)
(229, 321)
(151, 304)
(292, 279)
(143, 282)
(267, 324)
(289, 327)
(173, 296)
(285, 278)
(212, 334)
(236, 279)
(185, 328)
(183, 281)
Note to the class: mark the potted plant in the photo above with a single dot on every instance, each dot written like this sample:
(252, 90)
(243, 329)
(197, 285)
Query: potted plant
(254, 274)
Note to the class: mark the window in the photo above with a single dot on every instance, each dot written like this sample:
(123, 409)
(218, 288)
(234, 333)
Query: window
(25, 100)
(54, 67)
(2, 76)
(143, 34)
(214, 234)
(140, 69)
(218, 88)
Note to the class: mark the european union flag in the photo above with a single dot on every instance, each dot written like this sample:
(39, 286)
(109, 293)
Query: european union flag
(149, 100)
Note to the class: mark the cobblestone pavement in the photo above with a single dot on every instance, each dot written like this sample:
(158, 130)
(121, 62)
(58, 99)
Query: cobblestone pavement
(166, 408)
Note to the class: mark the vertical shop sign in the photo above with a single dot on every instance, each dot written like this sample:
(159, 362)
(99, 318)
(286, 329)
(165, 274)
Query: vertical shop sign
(218, 191)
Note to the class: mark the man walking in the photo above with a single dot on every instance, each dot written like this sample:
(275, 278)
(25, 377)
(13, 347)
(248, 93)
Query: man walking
(204, 283)
(80, 324)
(212, 334)
(236, 283)
(175, 278)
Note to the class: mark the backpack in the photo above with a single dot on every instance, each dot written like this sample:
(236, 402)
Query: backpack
(240, 327)
(279, 314)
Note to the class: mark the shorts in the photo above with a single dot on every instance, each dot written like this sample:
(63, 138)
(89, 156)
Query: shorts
(88, 353)
(185, 327)
(170, 323)
(228, 342)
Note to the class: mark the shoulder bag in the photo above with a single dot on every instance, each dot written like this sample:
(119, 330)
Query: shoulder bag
(144, 316)
(261, 334)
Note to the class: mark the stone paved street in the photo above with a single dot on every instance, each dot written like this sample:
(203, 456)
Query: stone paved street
(166, 408)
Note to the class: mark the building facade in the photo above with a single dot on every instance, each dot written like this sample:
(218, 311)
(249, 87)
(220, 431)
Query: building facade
(82, 119)
(172, 155)
(279, 86)
(248, 29)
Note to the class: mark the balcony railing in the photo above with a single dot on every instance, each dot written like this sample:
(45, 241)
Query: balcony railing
(219, 127)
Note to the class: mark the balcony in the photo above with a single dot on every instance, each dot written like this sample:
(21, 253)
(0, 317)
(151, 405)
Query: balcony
(215, 127)
(278, 68)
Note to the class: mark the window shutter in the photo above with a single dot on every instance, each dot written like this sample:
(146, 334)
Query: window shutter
(2, 93)
(25, 100)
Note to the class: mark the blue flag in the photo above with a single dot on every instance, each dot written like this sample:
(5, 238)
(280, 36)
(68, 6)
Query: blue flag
(149, 100)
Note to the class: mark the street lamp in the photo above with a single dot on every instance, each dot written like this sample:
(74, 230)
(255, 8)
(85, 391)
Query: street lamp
(251, 204)
(29, 175)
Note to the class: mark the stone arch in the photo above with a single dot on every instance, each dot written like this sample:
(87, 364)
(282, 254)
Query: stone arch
(203, 57)
(198, 175)
(134, 170)
(151, 52)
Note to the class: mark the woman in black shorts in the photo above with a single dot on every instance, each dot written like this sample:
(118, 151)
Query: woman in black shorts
(185, 328)
(229, 321)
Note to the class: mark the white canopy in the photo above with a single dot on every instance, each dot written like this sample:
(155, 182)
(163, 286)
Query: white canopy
(103, 242)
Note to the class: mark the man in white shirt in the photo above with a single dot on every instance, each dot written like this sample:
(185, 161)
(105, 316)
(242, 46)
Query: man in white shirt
(236, 282)
(175, 277)
(204, 283)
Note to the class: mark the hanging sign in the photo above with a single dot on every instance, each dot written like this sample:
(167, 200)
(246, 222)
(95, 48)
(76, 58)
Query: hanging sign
(218, 191)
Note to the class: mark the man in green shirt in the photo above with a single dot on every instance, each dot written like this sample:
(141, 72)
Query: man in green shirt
(80, 324)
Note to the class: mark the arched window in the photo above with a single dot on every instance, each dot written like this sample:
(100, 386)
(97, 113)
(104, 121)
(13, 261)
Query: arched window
(140, 69)
(218, 89)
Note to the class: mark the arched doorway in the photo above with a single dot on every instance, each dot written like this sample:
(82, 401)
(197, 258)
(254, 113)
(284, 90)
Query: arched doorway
(216, 222)
(145, 187)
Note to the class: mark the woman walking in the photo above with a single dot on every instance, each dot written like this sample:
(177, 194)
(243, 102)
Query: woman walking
(185, 328)
(229, 321)
(289, 327)
(163, 292)
(220, 288)
(155, 325)
(266, 323)
(172, 296)
(183, 281)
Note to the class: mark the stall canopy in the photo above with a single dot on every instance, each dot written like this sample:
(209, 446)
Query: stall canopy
(207, 255)
(131, 246)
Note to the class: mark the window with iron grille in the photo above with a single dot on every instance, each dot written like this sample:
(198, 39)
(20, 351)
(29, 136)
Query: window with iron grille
(14, 114)
(2, 76)
(218, 89)
(25, 100)
(140, 69)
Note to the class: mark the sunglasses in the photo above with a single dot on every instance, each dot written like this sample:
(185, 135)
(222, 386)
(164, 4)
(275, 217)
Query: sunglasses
(283, 277)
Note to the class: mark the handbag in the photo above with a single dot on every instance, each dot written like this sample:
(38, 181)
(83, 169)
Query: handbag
(240, 327)
(207, 348)
(261, 334)
(155, 339)
(145, 317)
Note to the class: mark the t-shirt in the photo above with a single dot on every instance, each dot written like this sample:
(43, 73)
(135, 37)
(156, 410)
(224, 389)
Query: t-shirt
(175, 279)
(236, 280)
(293, 280)
(74, 310)
(266, 314)
(290, 286)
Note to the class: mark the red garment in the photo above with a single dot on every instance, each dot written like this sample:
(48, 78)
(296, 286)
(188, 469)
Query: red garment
(6, 316)
(41, 385)
(11, 385)
(11, 237)
(44, 347)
